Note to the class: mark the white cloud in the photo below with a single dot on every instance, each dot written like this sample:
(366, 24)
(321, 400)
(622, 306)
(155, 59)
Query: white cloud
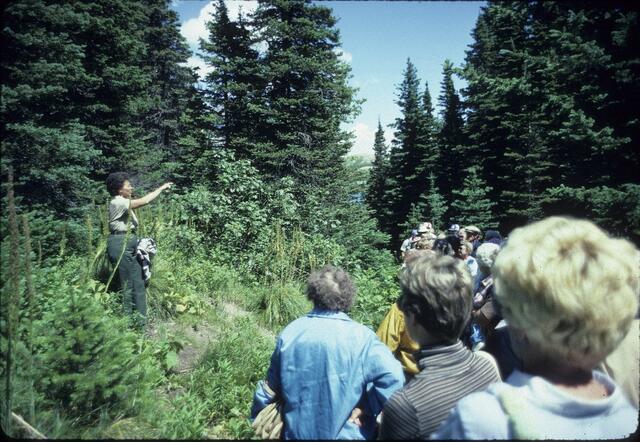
(195, 28)
(363, 144)
(196, 62)
(344, 55)
(234, 7)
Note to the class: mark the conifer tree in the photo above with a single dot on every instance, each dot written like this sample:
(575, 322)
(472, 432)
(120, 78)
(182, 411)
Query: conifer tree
(304, 100)
(498, 26)
(472, 203)
(170, 92)
(434, 205)
(540, 100)
(452, 158)
(233, 85)
(44, 92)
(88, 88)
(377, 176)
(428, 140)
(407, 155)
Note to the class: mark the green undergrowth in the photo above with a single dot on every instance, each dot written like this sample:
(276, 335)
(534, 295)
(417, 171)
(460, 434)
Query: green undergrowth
(81, 370)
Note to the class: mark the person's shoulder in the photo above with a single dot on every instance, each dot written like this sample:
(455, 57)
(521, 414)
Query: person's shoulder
(297, 323)
(119, 200)
(399, 402)
(481, 416)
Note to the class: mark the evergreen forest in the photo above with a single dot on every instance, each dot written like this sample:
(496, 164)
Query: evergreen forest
(265, 190)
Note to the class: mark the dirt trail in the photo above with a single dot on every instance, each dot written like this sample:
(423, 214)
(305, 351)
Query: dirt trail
(235, 311)
(199, 336)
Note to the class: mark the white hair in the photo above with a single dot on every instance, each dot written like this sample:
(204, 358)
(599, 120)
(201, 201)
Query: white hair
(571, 288)
(486, 255)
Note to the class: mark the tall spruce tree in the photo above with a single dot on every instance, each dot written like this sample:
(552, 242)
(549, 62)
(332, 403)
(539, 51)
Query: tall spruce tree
(88, 88)
(377, 175)
(304, 100)
(501, 103)
(233, 85)
(44, 83)
(472, 203)
(407, 156)
(428, 141)
(116, 104)
(170, 91)
(543, 84)
(451, 138)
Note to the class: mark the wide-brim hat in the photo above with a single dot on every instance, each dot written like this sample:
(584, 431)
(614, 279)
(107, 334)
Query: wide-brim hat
(472, 229)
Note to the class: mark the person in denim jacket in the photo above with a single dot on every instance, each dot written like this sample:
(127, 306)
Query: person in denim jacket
(331, 374)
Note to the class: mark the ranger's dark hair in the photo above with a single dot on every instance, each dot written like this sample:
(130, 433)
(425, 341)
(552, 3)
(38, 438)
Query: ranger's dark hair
(115, 181)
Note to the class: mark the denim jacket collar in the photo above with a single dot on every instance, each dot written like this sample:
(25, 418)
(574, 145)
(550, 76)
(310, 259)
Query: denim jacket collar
(330, 314)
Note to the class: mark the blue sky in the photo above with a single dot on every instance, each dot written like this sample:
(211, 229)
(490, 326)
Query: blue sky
(377, 38)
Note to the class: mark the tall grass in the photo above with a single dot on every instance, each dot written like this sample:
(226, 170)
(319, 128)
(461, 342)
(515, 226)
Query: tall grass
(12, 299)
(28, 273)
(281, 298)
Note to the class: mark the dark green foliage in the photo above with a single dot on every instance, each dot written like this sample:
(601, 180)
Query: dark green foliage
(472, 203)
(305, 97)
(616, 210)
(452, 159)
(434, 205)
(354, 228)
(236, 208)
(43, 72)
(414, 218)
(379, 170)
(87, 362)
(88, 88)
(412, 155)
(550, 100)
(170, 93)
(10, 307)
(234, 84)
(377, 289)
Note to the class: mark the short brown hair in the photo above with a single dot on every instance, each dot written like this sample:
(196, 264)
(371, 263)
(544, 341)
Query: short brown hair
(437, 290)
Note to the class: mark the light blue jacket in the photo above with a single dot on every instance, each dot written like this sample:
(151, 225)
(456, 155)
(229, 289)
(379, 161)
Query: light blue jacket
(537, 409)
(324, 365)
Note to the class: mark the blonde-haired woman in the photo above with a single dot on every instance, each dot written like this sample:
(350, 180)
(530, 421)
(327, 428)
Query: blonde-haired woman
(569, 293)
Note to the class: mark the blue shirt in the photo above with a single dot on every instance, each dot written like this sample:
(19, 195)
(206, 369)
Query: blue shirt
(544, 411)
(324, 365)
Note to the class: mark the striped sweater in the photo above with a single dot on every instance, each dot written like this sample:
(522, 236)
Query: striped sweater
(447, 374)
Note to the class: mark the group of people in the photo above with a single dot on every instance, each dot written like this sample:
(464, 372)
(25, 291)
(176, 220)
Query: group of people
(534, 337)
(556, 308)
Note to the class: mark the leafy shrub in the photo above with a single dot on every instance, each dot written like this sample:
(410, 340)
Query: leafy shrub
(377, 290)
(165, 351)
(187, 418)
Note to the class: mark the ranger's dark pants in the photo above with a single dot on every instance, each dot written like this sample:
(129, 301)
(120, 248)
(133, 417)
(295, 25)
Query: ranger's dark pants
(130, 272)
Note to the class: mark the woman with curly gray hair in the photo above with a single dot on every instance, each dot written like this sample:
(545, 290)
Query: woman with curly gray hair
(326, 368)
(569, 293)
